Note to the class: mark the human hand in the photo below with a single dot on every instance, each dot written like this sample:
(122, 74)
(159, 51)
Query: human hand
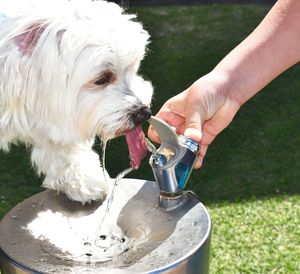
(200, 112)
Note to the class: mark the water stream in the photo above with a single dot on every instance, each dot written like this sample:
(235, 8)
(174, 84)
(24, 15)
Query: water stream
(104, 144)
(110, 198)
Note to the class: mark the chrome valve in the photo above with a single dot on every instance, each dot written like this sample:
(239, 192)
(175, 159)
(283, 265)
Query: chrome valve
(172, 163)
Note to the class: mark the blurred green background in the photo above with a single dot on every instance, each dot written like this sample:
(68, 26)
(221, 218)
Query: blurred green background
(250, 177)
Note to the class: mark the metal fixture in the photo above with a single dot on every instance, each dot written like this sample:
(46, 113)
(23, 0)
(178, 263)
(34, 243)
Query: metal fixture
(172, 163)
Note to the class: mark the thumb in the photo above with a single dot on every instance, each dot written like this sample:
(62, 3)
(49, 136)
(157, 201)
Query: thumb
(193, 127)
(193, 133)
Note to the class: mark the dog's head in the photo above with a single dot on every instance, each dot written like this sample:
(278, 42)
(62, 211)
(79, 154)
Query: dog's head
(78, 66)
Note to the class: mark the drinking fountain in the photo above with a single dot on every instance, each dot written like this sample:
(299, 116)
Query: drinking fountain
(152, 227)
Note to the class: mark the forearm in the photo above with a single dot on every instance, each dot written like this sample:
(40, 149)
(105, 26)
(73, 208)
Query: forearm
(270, 49)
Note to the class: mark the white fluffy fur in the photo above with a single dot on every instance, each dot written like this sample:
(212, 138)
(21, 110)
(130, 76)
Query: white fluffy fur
(48, 98)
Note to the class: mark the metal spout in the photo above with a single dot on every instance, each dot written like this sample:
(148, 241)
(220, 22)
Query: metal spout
(172, 164)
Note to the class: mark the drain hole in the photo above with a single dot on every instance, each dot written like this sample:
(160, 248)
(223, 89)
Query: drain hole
(89, 254)
(102, 237)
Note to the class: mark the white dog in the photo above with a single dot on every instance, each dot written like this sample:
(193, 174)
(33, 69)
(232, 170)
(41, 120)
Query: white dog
(68, 73)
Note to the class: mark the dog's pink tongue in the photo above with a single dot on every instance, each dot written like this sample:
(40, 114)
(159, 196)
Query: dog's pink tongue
(135, 139)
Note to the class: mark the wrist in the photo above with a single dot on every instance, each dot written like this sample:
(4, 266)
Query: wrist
(210, 93)
(221, 84)
(229, 85)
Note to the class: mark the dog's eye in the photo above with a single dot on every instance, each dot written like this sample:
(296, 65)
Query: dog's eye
(105, 78)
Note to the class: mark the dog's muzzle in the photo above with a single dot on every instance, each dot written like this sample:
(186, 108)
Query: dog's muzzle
(141, 115)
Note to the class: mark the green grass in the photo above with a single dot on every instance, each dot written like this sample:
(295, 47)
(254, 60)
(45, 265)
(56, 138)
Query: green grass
(250, 179)
(256, 236)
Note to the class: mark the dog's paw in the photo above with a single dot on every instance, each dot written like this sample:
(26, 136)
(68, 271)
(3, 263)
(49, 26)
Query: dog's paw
(80, 190)
(76, 172)
(80, 186)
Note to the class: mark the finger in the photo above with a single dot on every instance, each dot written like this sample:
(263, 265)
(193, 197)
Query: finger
(193, 126)
(203, 150)
(200, 157)
(180, 129)
(193, 123)
(207, 136)
(198, 162)
(173, 119)
(152, 134)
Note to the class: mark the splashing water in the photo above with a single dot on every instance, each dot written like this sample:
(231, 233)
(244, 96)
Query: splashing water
(111, 197)
(151, 148)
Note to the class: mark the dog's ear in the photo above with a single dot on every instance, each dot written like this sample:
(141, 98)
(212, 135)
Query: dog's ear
(28, 39)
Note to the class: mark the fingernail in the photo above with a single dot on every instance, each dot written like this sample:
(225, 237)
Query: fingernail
(193, 133)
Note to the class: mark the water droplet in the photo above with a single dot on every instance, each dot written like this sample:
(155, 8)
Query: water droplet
(87, 244)
(89, 254)
(122, 240)
(194, 223)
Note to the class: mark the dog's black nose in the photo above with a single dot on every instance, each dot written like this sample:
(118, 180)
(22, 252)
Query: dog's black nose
(141, 115)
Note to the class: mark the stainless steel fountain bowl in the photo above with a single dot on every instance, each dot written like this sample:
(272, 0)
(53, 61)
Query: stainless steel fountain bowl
(47, 233)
